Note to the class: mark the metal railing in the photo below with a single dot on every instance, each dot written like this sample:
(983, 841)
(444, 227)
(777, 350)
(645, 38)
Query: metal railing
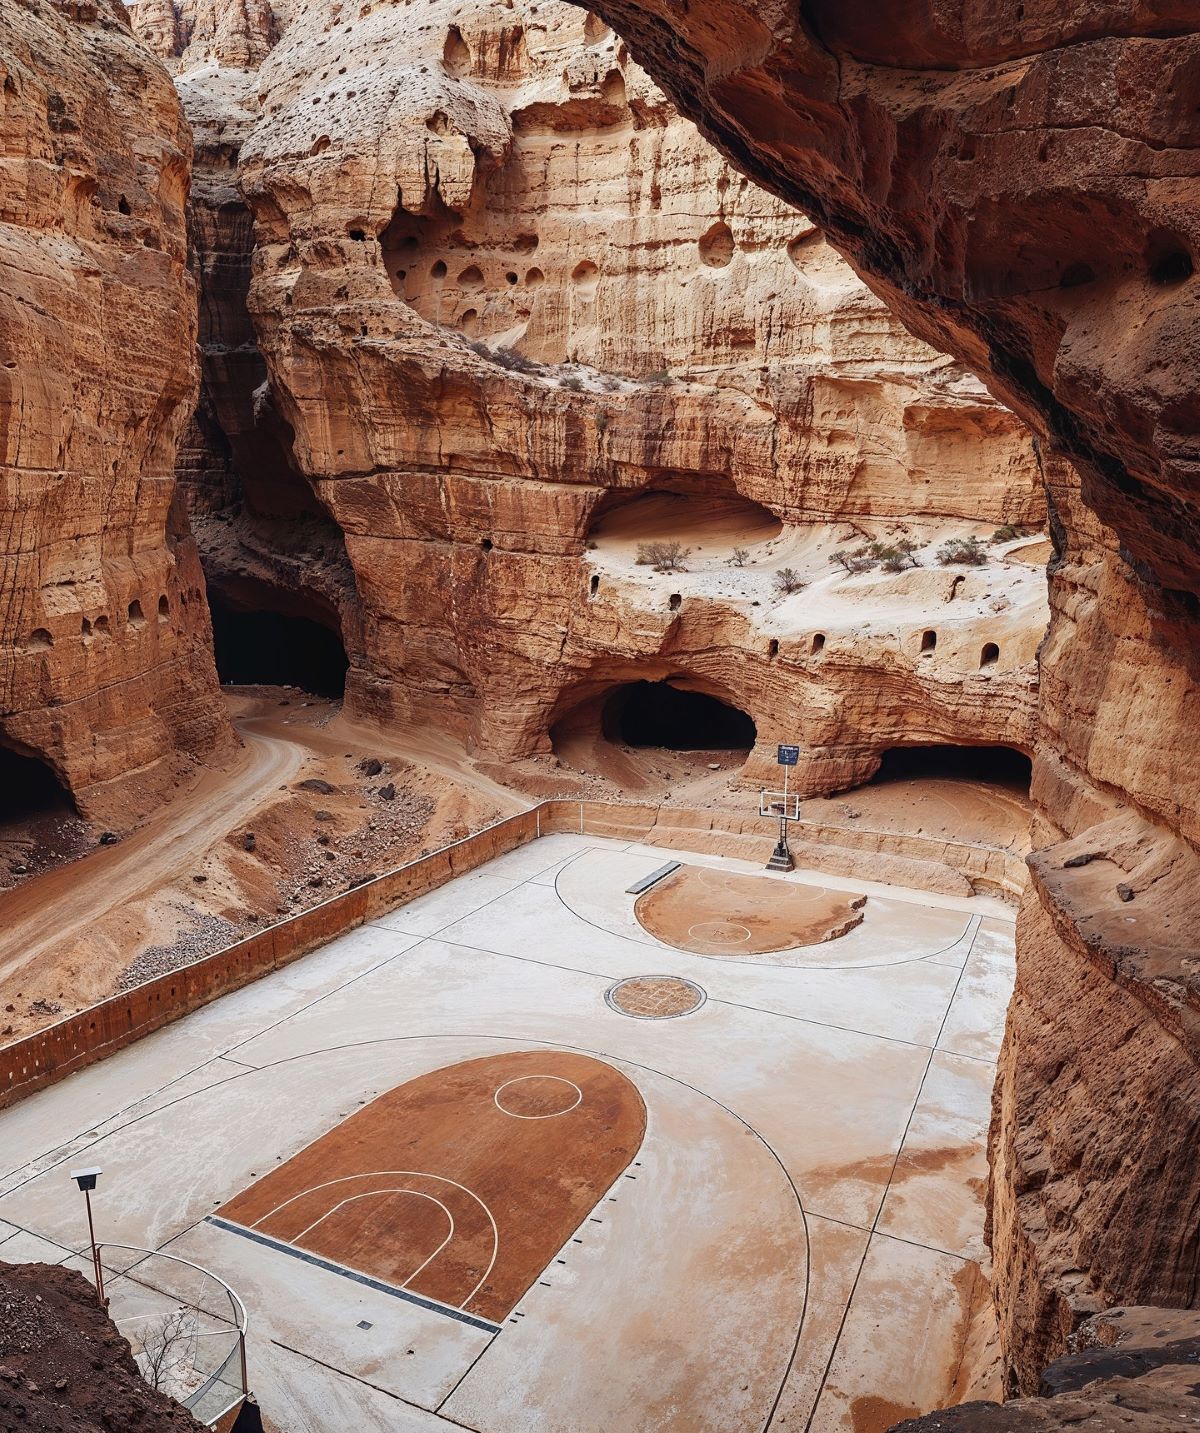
(193, 1349)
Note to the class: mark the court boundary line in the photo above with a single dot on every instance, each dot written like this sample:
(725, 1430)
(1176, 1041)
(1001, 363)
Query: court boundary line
(556, 1114)
(386, 1174)
(375, 1194)
(369, 1280)
(655, 944)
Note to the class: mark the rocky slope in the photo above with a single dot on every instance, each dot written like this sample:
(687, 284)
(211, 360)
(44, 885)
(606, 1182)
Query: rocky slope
(1130, 1368)
(500, 289)
(64, 1368)
(1018, 182)
(106, 672)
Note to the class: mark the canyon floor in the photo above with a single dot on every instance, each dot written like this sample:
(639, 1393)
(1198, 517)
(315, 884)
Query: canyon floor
(790, 1225)
(314, 802)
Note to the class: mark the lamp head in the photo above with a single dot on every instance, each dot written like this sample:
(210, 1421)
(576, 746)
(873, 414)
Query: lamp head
(86, 1178)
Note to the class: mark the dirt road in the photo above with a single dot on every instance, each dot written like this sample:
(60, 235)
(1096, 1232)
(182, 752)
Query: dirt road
(51, 909)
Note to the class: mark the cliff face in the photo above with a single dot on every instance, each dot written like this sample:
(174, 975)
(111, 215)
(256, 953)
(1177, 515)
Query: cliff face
(501, 289)
(106, 672)
(1019, 184)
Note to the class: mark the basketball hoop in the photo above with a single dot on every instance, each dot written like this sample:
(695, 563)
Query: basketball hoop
(783, 805)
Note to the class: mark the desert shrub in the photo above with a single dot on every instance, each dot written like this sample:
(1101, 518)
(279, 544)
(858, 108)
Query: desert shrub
(1008, 532)
(515, 362)
(741, 556)
(896, 556)
(788, 580)
(507, 358)
(574, 384)
(663, 556)
(965, 550)
(659, 375)
(857, 561)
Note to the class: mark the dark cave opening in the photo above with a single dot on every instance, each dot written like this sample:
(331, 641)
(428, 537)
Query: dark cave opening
(658, 714)
(996, 765)
(259, 648)
(30, 789)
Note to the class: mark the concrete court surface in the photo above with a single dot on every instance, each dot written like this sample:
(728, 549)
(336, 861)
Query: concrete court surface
(792, 1246)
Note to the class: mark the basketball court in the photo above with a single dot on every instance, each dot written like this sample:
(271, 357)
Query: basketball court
(722, 913)
(537, 1152)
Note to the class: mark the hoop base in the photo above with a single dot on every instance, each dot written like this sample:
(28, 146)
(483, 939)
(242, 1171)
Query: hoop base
(781, 859)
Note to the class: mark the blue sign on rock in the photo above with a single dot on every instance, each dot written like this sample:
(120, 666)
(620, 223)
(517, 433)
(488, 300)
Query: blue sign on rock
(788, 755)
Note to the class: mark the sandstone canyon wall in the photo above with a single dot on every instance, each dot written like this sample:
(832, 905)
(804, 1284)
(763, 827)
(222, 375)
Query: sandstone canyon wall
(501, 290)
(1019, 183)
(106, 672)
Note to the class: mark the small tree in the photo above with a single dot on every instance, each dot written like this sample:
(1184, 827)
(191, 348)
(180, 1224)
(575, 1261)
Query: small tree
(167, 1349)
(788, 580)
(856, 561)
(965, 550)
(663, 556)
(895, 557)
(741, 556)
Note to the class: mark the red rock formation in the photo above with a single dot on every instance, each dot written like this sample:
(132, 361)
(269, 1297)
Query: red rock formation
(500, 287)
(1018, 182)
(105, 666)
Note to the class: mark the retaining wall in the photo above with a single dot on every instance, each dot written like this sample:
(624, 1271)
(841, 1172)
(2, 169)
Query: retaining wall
(79, 1040)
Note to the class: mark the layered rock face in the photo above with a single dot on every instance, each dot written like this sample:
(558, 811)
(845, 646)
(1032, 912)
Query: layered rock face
(265, 540)
(501, 290)
(106, 672)
(1018, 182)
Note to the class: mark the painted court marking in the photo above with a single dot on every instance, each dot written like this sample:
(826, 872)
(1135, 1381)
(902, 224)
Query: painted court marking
(375, 1194)
(318, 1261)
(655, 997)
(391, 1174)
(720, 932)
(550, 1114)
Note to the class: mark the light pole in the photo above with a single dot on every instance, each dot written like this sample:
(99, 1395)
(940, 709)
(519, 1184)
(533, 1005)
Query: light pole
(86, 1179)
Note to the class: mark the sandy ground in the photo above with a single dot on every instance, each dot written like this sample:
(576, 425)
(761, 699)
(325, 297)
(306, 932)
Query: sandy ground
(301, 813)
(1005, 595)
(797, 1241)
(943, 807)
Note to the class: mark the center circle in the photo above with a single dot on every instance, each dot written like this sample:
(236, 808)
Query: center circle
(537, 1097)
(654, 997)
(720, 932)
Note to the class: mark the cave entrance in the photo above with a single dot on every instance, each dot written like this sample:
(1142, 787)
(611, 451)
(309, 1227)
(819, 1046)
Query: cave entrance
(39, 823)
(260, 648)
(657, 714)
(706, 519)
(650, 738)
(31, 789)
(1002, 766)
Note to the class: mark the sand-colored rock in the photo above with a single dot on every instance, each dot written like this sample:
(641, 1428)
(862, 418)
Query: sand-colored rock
(1019, 183)
(105, 664)
(499, 286)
